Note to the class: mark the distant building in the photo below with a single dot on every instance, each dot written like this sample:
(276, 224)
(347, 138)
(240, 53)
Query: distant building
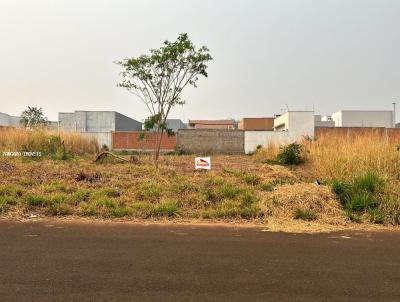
(97, 121)
(323, 121)
(298, 123)
(212, 124)
(97, 124)
(175, 124)
(257, 124)
(9, 120)
(14, 121)
(347, 118)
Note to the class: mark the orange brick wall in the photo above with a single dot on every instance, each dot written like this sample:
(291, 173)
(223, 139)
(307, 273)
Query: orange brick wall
(130, 141)
(391, 133)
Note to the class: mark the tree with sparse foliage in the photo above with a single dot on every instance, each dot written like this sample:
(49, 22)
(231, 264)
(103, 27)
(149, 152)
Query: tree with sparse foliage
(33, 117)
(159, 78)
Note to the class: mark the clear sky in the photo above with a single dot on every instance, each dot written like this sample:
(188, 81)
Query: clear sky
(268, 54)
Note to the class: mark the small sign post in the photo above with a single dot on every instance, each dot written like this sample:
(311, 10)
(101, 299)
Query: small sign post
(202, 163)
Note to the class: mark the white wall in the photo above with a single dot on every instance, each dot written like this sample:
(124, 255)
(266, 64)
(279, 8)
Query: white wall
(252, 139)
(281, 123)
(293, 126)
(363, 119)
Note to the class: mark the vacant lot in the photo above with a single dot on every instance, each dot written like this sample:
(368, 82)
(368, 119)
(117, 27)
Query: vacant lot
(355, 189)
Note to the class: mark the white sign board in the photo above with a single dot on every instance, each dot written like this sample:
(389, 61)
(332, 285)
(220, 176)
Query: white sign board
(202, 163)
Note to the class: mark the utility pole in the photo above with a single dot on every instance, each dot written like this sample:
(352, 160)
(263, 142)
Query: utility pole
(394, 114)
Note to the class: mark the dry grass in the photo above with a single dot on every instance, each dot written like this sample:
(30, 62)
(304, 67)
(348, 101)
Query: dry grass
(238, 188)
(38, 140)
(347, 160)
(337, 157)
(286, 199)
(232, 191)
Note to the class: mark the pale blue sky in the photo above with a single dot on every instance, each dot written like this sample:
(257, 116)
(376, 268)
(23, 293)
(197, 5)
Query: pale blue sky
(268, 54)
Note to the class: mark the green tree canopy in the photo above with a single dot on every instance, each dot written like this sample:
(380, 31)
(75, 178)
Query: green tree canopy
(33, 117)
(158, 78)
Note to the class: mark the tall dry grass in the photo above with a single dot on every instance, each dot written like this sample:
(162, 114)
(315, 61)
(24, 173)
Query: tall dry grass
(38, 140)
(347, 158)
(340, 157)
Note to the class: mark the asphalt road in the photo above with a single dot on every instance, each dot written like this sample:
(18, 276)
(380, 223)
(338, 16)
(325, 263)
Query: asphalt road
(58, 261)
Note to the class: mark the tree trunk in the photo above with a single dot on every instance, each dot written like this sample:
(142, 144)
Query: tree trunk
(155, 156)
(159, 143)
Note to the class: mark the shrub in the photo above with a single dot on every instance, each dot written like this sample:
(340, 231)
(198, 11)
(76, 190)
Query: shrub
(291, 154)
(361, 201)
(342, 191)
(363, 194)
(307, 215)
(369, 182)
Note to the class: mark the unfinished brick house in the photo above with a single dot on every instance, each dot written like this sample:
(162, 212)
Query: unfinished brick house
(212, 124)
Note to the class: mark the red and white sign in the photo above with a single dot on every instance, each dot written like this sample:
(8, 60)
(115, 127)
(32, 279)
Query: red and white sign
(202, 163)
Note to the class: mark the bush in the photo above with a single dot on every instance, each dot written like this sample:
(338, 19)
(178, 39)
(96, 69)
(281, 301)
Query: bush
(290, 154)
(361, 201)
(307, 215)
(362, 195)
(369, 182)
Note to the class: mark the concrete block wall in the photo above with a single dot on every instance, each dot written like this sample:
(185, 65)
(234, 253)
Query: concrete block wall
(67, 121)
(211, 141)
(130, 141)
(101, 121)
